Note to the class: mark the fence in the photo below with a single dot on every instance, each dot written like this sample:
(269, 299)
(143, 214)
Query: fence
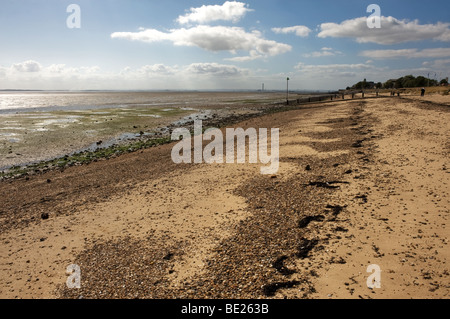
(335, 96)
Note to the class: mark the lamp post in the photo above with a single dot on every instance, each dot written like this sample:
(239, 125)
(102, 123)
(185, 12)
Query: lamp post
(287, 91)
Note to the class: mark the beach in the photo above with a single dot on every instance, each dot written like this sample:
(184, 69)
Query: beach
(360, 182)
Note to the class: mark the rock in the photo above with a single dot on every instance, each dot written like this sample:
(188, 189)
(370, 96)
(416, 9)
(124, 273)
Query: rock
(308, 219)
(44, 216)
(305, 247)
(169, 256)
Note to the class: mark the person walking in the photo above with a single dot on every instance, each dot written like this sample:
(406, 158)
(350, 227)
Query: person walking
(422, 92)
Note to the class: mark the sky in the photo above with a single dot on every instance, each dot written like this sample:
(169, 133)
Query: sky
(219, 45)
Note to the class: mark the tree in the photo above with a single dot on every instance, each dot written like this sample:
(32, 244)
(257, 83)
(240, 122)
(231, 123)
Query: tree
(398, 84)
(358, 86)
(389, 84)
(408, 81)
(421, 81)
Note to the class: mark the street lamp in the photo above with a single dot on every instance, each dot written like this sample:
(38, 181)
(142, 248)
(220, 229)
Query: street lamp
(287, 91)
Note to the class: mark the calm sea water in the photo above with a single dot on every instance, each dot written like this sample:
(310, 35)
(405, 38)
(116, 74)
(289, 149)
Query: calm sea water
(12, 102)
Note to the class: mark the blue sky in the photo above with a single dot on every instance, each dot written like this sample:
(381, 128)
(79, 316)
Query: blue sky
(139, 44)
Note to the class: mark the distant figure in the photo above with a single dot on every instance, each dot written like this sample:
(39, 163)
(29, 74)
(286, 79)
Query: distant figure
(422, 92)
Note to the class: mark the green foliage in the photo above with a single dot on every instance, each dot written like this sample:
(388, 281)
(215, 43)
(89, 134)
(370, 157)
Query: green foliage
(363, 85)
(408, 81)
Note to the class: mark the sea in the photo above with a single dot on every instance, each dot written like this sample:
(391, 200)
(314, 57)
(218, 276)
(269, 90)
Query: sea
(30, 101)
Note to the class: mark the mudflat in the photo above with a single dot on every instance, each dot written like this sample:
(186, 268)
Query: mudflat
(360, 183)
(87, 121)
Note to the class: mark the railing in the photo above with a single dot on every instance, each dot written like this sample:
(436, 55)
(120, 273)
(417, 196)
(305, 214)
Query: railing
(347, 95)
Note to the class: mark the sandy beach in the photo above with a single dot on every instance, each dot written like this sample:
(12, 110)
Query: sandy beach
(361, 182)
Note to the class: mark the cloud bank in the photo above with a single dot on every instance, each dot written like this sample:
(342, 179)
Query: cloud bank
(407, 53)
(214, 38)
(392, 31)
(33, 75)
(211, 38)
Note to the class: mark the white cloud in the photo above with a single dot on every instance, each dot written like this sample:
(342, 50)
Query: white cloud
(215, 69)
(244, 58)
(156, 76)
(156, 69)
(333, 70)
(211, 38)
(358, 66)
(323, 52)
(407, 53)
(89, 70)
(56, 68)
(27, 66)
(443, 65)
(33, 69)
(392, 31)
(299, 30)
(216, 38)
(3, 71)
(144, 35)
(254, 55)
(229, 11)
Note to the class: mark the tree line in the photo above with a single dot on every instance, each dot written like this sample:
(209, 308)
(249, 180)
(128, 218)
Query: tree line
(408, 81)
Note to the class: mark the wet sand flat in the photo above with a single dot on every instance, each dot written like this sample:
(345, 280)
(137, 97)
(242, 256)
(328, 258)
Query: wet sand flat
(41, 126)
(361, 182)
(27, 138)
